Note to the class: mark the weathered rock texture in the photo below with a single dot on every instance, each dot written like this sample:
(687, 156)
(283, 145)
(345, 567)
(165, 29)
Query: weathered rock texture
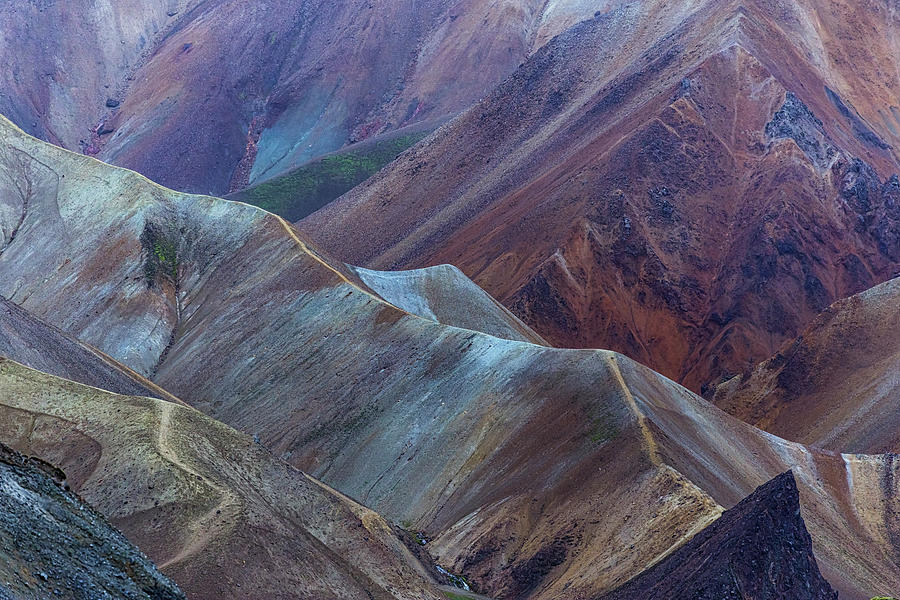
(218, 513)
(533, 470)
(688, 183)
(32, 342)
(758, 550)
(53, 545)
(837, 386)
(207, 96)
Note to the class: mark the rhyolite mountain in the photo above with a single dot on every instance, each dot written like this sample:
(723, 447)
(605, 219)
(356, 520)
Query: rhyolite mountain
(836, 386)
(535, 472)
(764, 533)
(34, 343)
(53, 545)
(687, 183)
(214, 510)
(208, 96)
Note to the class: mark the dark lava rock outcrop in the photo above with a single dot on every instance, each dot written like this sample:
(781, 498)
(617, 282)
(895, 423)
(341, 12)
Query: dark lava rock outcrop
(53, 545)
(758, 550)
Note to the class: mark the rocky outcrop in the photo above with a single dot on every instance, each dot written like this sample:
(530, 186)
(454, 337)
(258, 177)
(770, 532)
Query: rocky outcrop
(54, 545)
(671, 181)
(758, 550)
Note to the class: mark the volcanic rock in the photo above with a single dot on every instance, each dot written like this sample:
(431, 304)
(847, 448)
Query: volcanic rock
(54, 545)
(758, 550)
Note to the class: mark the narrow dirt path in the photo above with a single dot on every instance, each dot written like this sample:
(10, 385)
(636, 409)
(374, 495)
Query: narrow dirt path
(215, 521)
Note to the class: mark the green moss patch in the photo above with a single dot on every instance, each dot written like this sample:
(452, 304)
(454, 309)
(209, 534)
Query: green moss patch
(161, 254)
(310, 187)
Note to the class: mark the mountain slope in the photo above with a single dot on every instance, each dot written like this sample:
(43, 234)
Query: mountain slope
(837, 386)
(48, 536)
(34, 343)
(763, 533)
(689, 183)
(444, 295)
(213, 509)
(532, 469)
(210, 96)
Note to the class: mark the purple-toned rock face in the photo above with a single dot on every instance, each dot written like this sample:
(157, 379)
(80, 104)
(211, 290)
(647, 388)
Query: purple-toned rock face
(210, 96)
(687, 183)
(557, 184)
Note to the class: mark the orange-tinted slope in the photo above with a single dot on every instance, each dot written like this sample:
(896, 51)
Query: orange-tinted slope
(837, 386)
(216, 511)
(687, 184)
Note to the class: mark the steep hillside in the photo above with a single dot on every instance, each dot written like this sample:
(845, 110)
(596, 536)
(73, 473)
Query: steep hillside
(210, 96)
(304, 190)
(763, 533)
(444, 295)
(687, 183)
(535, 472)
(32, 342)
(213, 509)
(53, 545)
(837, 386)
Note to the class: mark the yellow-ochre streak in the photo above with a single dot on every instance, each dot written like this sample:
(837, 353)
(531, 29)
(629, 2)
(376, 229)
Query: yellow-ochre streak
(649, 441)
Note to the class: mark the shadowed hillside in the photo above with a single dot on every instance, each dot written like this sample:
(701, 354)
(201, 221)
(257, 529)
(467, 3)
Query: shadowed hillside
(764, 533)
(837, 386)
(213, 95)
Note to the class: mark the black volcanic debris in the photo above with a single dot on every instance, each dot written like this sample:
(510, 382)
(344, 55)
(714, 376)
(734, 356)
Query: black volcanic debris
(874, 204)
(794, 120)
(52, 545)
(758, 550)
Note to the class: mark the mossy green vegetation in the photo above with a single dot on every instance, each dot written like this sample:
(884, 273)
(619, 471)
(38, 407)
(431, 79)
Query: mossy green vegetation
(455, 596)
(162, 254)
(313, 185)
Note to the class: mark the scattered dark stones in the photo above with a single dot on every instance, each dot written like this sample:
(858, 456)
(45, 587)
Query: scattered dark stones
(112, 103)
(49, 532)
(528, 575)
(860, 129)
(797, 122)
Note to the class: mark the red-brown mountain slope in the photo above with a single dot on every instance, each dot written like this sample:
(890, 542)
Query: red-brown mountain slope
(837, 386)
(687, 183)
